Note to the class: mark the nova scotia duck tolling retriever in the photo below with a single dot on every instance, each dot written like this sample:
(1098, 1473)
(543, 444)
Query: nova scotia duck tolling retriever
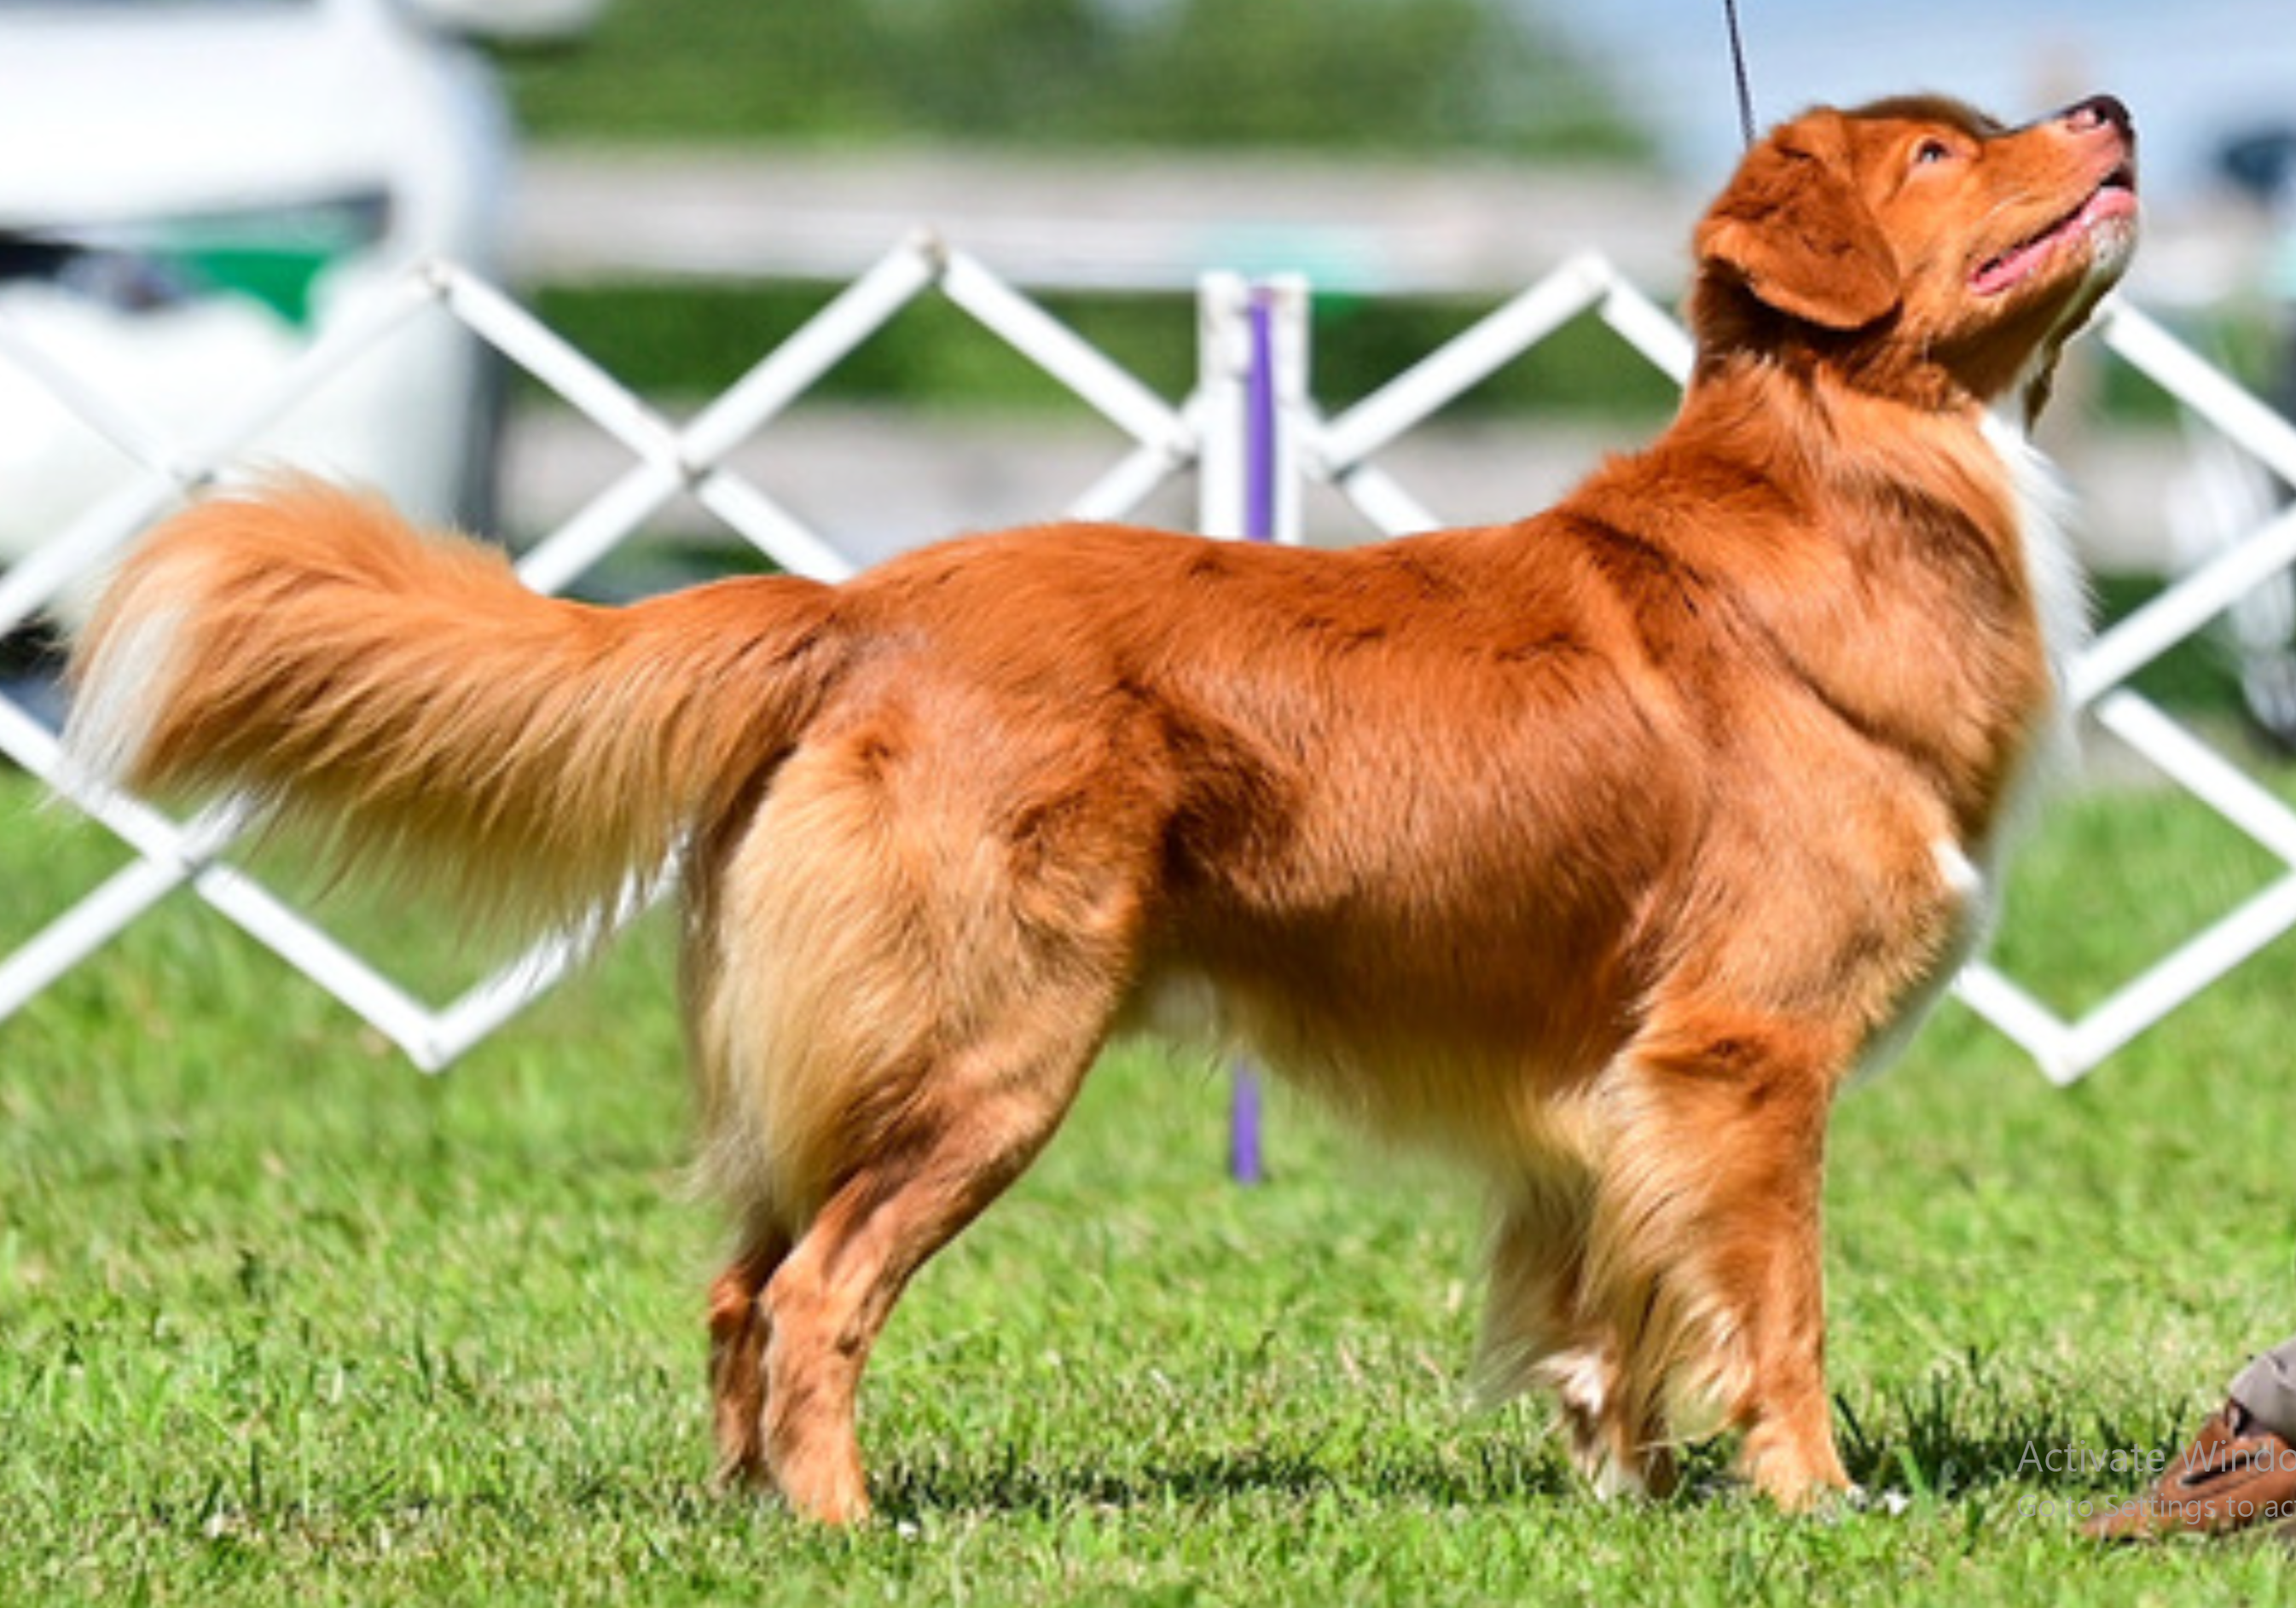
(1595, 850)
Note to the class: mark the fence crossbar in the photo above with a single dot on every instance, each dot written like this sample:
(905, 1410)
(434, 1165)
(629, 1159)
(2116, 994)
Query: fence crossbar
(1461, 364)
(1080, 367)
(798, 364)
(1650, 329)
(770, 527)
(169, 856)
(37, 578)
(2183, 609)
(134, 437)
(2237, 413)
(2222, 786)
(599, 526)
(2193, 966)
(167, 472)
(565, 369)
(2013, 1012)
(1131, 480)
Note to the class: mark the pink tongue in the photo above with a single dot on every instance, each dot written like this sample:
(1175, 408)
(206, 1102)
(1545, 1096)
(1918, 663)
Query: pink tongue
(2003, 272)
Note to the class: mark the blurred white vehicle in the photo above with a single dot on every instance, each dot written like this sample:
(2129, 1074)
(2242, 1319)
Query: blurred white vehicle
(191, 188)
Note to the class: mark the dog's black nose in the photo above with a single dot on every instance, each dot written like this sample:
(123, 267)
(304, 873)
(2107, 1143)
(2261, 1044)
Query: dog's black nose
(2096, 112)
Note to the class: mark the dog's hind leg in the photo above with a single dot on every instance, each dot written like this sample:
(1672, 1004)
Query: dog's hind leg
(1704, 1257)
(737, 1320)
(907, 976)
(953, 1152)
(738, 1330)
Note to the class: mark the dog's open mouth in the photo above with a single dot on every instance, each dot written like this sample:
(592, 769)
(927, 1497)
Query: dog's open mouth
(2115, 198)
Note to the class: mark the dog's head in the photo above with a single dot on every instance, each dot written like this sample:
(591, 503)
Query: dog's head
(1921, 244)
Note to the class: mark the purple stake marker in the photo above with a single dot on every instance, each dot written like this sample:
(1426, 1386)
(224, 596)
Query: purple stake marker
(1243, 1158)
(1259, 421)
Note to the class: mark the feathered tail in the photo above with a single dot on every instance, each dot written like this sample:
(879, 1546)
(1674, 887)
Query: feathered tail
(406, 695)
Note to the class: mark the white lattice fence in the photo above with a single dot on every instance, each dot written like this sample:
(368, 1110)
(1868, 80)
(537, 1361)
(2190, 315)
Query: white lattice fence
(668, 460)
(1209, 433)
(2066, 1050)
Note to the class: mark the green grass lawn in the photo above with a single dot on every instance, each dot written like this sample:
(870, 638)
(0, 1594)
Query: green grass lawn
(287, 1321)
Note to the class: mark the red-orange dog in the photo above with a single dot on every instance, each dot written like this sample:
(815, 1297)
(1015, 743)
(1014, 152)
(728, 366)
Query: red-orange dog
(1597, 849)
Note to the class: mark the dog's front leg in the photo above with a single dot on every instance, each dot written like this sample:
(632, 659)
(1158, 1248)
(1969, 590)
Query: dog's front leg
(1705, 1265)
(1542, 1329)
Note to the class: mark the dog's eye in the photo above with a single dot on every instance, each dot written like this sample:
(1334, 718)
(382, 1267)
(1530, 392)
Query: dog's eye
(1931, 151)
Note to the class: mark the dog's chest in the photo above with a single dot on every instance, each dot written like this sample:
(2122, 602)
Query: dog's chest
(1970, 873)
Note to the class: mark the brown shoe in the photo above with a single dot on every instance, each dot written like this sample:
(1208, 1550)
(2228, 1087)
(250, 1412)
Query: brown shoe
(2236, 1475)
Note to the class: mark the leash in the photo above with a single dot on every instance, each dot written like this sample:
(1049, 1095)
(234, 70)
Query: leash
(1738, 67)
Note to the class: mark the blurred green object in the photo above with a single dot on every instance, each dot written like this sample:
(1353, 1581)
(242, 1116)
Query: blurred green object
(278, 276)
(275, 256)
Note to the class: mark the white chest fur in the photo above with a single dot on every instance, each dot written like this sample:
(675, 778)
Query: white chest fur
(2059, 595)
(2052, 568)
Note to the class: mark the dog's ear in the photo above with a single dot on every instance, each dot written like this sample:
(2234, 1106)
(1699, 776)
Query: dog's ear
(1793, 229)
